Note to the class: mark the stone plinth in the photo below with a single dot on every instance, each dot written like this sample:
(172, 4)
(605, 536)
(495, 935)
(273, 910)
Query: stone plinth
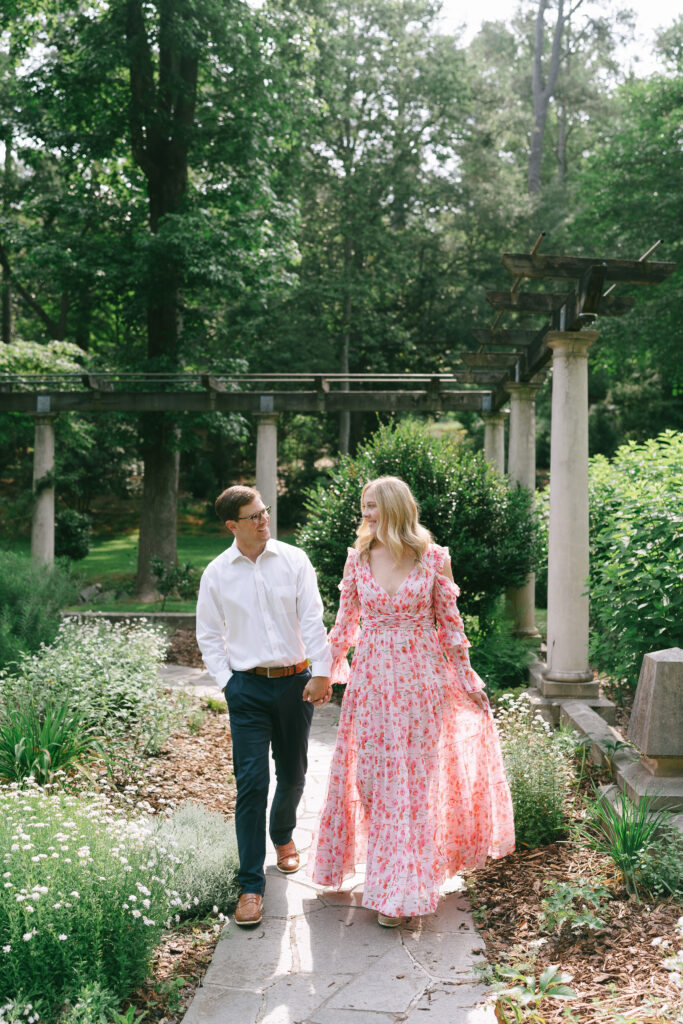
(656, 725)
(656, 729)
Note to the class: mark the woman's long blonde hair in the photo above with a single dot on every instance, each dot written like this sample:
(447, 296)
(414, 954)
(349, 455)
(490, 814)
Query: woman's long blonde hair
(398, 527)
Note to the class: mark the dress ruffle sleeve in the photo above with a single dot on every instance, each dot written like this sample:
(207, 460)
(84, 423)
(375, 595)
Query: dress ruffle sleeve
(450, 626)
(345, 632)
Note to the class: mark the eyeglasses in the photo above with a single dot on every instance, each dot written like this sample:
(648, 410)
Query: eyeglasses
(258, 516)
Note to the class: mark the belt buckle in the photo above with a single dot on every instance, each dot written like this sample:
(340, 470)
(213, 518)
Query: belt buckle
(268, 675)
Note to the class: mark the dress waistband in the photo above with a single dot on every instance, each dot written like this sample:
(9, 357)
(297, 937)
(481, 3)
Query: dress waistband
(399, 622)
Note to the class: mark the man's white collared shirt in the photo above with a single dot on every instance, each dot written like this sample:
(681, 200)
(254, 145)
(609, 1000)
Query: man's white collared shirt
(266, 612)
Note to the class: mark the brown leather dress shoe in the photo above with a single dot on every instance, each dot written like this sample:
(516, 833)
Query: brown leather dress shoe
(249, 909)
(287, 858)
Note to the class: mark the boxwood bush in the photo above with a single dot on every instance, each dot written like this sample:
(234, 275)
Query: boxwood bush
(489, 528)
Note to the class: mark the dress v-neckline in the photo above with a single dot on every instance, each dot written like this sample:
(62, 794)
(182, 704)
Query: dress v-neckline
(379, 586)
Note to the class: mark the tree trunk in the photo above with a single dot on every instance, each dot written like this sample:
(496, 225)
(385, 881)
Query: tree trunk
(542, 91)
(161, 123)
(158, 517)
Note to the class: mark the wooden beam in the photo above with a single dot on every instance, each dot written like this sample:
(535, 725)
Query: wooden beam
(568, 267)
(424, 400)
(518, 338)
(545, 302)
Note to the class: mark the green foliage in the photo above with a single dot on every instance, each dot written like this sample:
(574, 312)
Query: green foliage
(520, 993)
(539, 769)
(660, 869)
(72, 534)
(499, 656)
(573, 907)
(108, 674)
(30, 599)
(622, 831)
(85, 899)
(40, 745)
(206, 847)
(93, 1005)
(181, 580)
(466, 505)
(635, 581)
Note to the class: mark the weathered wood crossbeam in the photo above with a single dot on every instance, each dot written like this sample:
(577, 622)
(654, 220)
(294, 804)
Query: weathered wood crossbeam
(500, 337)
(568, 267)
(545, 302)
(483, 377)
(430, 399)
(494, 360)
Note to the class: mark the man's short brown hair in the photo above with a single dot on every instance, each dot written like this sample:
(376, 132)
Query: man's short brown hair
(229, 503)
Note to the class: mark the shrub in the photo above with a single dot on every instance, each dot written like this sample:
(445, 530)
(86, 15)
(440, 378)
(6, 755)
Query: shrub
(206, 847)
(498, 655)
(108, 673)
(489, 528)
(85, 898)
(72, 534)
(182, 580)
(539, 769)
(636, 579)
(30, 598)
(661, 866)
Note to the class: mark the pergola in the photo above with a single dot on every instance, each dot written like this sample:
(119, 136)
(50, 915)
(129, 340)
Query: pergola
(506, 365)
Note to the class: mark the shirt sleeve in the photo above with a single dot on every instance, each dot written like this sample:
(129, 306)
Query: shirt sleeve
(451, 629)
(211, 630)
(346, 629)
(310, 611)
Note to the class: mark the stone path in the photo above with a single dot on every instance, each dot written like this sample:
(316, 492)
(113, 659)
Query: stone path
(319, 957)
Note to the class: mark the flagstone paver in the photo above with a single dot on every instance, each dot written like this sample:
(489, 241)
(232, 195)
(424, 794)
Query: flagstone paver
(319, 957)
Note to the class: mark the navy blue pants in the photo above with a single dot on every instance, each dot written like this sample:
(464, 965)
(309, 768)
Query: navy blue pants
(264, 714)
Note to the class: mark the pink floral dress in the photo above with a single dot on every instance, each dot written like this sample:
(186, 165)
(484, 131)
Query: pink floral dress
(416, 790)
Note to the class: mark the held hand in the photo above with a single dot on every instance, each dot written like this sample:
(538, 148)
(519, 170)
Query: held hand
(479, 698)
(317, 690)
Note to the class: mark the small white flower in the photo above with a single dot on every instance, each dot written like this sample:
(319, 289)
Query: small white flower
(137, 913)
(62, 937)
(7, 949)
(29, 935)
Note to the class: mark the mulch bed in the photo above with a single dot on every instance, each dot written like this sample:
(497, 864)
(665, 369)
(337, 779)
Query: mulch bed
(615, 971)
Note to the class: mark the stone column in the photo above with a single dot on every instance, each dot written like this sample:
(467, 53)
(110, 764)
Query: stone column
(266, 464)
(43, 524)
(522, 470)
(568, 673)
(494, 439)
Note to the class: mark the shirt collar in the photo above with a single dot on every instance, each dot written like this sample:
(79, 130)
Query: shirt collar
(234, 552)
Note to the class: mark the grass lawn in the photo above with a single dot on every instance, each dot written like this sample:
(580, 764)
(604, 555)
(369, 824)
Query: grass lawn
(112, 561)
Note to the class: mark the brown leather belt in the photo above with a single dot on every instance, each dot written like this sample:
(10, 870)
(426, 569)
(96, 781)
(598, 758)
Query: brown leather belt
(278, 670)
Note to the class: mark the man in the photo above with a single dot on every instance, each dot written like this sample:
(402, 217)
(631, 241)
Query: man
(259, 621)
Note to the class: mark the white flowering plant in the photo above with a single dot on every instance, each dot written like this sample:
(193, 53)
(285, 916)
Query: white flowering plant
(108, 673)
(539, 764)
(84, 895)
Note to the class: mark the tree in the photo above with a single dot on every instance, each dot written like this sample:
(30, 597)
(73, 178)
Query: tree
(177, 117)
(628, 196)
(375, 278)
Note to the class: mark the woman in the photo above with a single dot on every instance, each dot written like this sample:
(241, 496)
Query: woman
(416, 789)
